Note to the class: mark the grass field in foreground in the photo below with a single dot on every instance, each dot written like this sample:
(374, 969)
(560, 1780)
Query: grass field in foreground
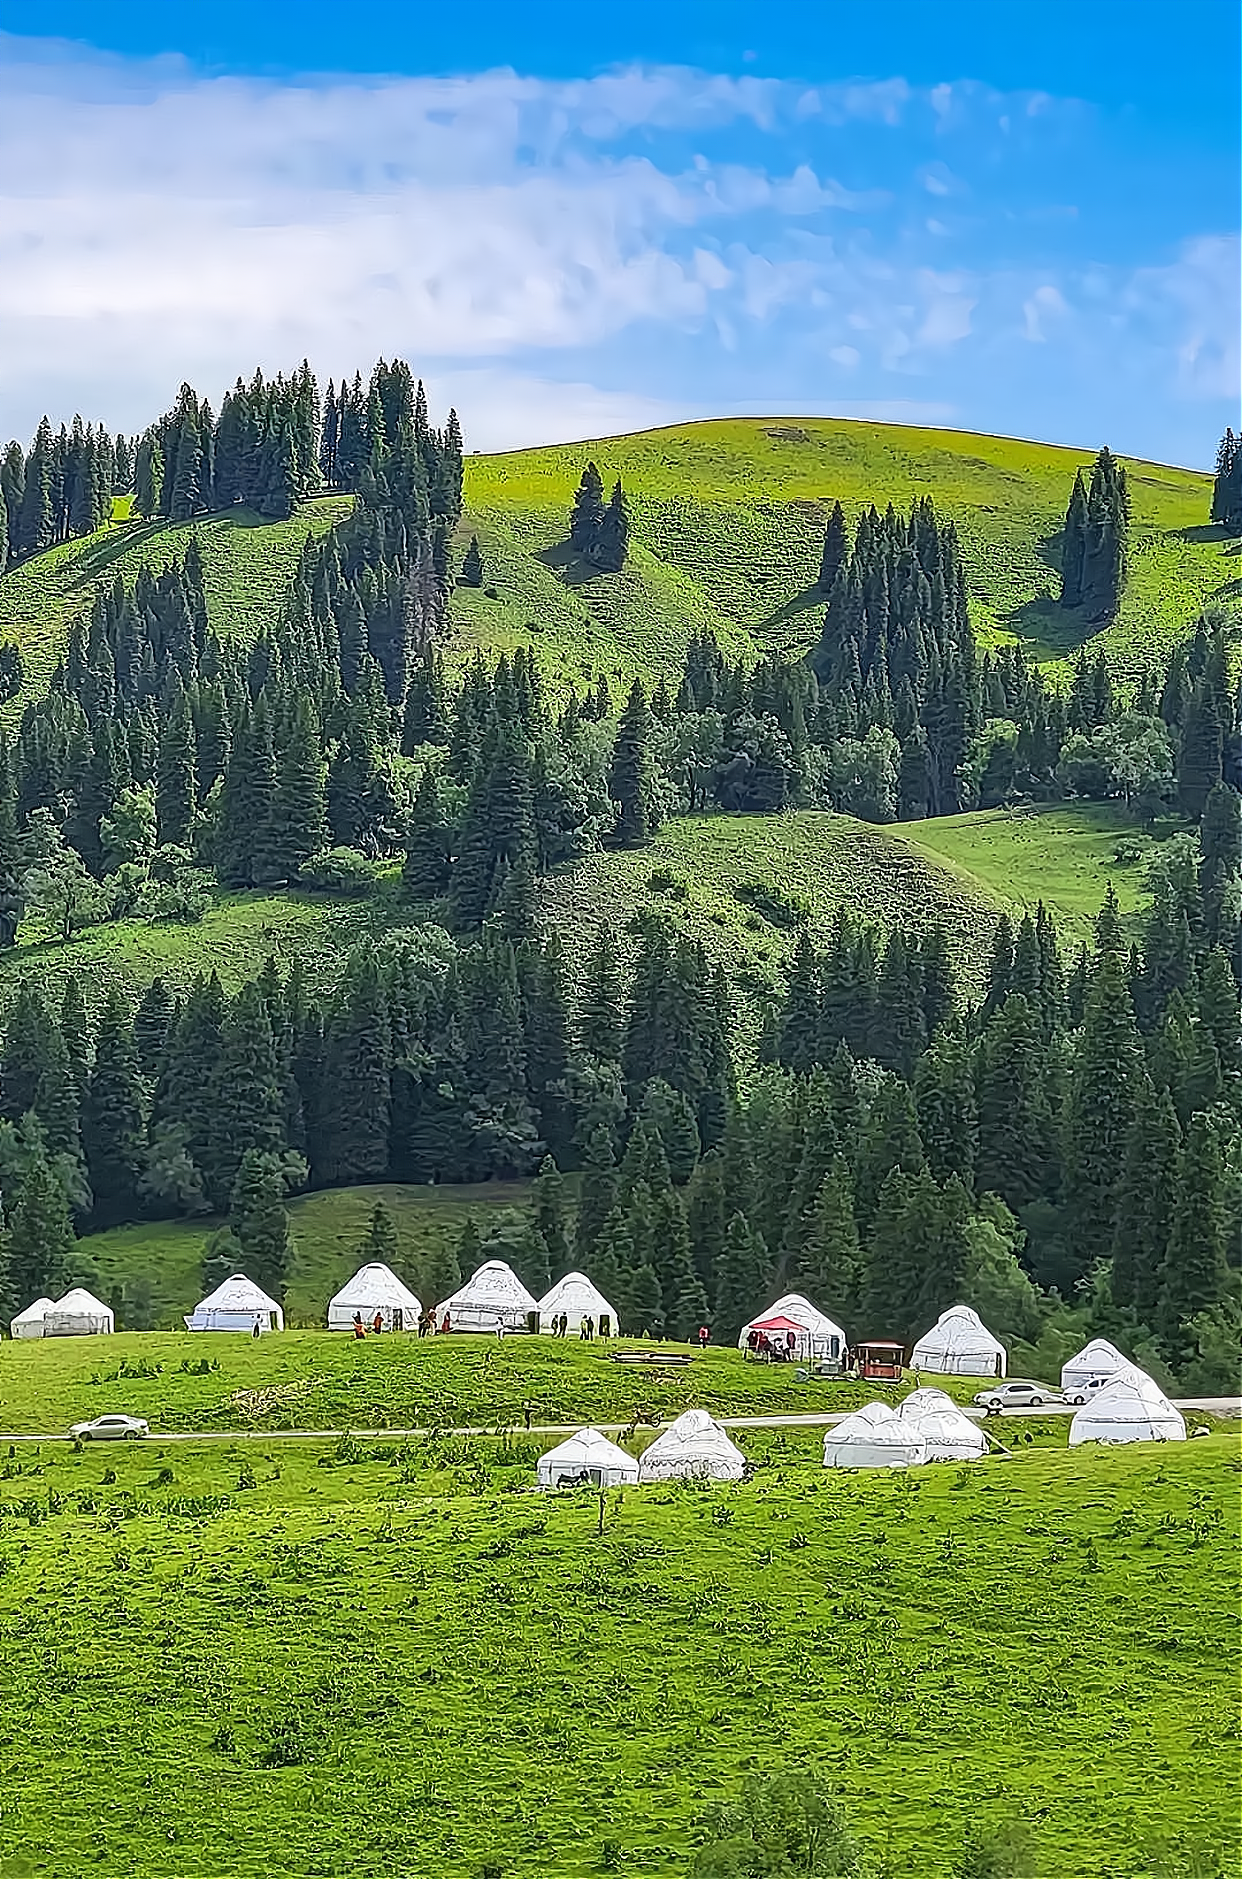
(213, 1381)
(225, 1670)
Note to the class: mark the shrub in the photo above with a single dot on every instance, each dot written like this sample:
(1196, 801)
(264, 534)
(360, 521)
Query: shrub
(340, 871)
(777, 905)
(664, 881)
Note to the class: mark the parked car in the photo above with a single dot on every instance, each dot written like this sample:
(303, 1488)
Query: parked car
(1085, 1391)
(1018, 1393)
(110, 1429)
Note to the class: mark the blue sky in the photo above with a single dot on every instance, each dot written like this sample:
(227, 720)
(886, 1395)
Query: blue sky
(577, 220)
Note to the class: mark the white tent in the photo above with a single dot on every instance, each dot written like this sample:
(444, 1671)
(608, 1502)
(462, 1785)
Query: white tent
(1095, 1360)
(820, 1341)
(493, 1299)
(236, 1305)
(959, 1344)
(947, 1434)
(29, 1323)
(587, 1456)
(77, 1314)
(578, 1299)
(873, 1437)
(374, 1288)
(922, 1402)
(692, 1448)
(1132, 1408)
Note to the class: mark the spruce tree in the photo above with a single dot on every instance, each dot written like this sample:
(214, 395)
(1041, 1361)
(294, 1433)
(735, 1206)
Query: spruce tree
(175, 772)
(152, 1022)
(472, 565)
(612, 537)
(1073, 544)
(1099, 1107)
(1194, 1273)
(297, 825)
(259, 1222)
(741, 1279)
(112, 1121)
(1200, 752)
(551, 1216)
(534, 1264)
(425, 872)
(357, 1095)
(602, 1008)
(836, 549)
(828, 1269)
(1149, 1179)
(588, 512)
(631, 781)
(248, 1108)
(41, 1242)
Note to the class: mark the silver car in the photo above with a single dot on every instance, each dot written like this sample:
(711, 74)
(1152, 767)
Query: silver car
(1018, 1393)
(111, 1429)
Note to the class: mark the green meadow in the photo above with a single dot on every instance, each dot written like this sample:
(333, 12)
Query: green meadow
(364, 1658)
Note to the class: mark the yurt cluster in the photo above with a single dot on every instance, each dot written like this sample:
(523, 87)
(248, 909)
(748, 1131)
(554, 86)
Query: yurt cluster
(1119, 1402)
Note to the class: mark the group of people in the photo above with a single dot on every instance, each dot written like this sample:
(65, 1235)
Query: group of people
(427, 1326)
(781, 1349)
(586, 1326)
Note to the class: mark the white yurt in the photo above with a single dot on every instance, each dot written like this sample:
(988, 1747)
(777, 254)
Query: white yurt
(959, 1344)
(577, 1298)
(1094, 1362)
(692, 1448)
(1132, 1408)
(817, 1339)
(587, 1456)
(947, 1434)
(921, 1402)
(78, 1314)
(374, 1288)
(236, 1305)
(29, 1323)
(492, 1299)
(873, 1437)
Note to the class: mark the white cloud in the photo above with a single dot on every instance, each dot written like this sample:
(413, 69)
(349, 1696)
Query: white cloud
(1047, 302)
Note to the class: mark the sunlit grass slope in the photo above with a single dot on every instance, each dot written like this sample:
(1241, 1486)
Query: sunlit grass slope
(737, 507)
(220, 1668)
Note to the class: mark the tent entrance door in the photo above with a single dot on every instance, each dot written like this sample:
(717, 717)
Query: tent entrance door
(398, 1318)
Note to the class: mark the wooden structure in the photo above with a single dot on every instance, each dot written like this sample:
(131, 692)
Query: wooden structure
(880, 1360)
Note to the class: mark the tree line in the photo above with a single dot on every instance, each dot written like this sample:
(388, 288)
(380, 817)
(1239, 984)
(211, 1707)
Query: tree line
(1065, 1151)
(62, 487)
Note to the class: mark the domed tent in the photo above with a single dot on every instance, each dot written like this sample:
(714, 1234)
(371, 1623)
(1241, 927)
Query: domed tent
(817, 1338)
(375, 1288)
(1131, 1408)
(922, 1402)
(873, 1437)
(237, 1304)
(29, 1323)
(577, 1298)
(1094, 1363)
(947, 1434)
(587, 1456)
(692, 1448)
(492, 1299)
(959, 1344)
(78, 1314)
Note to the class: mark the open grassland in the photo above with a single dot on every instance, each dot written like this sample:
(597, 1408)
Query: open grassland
(216, 1381)
(370, 1661)
(327, 1230)
(737, 508)
(247, 563)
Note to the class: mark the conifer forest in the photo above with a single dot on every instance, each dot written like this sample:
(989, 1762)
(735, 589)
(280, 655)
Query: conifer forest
(1054, 1129)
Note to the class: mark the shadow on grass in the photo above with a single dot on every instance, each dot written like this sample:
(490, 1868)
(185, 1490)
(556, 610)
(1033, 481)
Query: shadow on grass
(1205, 533)
(573, 569)
(796, 604)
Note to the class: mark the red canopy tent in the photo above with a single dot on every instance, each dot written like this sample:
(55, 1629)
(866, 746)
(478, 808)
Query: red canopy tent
(778, 1324)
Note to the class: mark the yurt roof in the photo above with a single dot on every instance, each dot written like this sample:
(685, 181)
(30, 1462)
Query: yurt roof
(575, 1293)
(959, 1328)
(873, 1422)
(82, 1303)
(802, 1313)
(33, 1314)
(592, 1449)
(925, 1401)
(494, 1283)
(375, 1284)
(693, 1433)
(1129, 1398)
(237, 1293)
(1095, 1355)
(946, 1428)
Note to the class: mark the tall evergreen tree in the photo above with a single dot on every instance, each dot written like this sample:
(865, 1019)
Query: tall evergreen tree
(631, 782)
(113, 1115)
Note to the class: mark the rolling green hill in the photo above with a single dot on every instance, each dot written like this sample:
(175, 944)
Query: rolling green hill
(728, 519)
(373, 1658)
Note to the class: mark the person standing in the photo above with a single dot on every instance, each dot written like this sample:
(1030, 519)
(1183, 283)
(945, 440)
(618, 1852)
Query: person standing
(704, 1335)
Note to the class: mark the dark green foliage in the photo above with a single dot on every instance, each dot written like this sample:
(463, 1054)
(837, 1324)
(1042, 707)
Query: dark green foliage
(259, 1222)
(588, 511)
(1227, 488)
(1193, 1275)
(425, 871)
(1095, 543)
(113, 1115)
(472, 565)
(631, 782)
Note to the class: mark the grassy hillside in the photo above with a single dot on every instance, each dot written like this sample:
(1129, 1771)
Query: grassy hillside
(737, 507)
(959, 869)
(389, 1658)
(246, 567)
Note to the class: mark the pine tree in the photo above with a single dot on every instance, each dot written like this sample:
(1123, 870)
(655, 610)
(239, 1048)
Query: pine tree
(1145, 1201)
(1220, 843)
(259, 1222)
(379, 1245)
(297, 824)
(1194, 1272)
(602, 1008)
(1200, 752)
(534, 1264)
(551, 1217)
(631, 778)
(829, 1267)
(835, 551)
(357, 1093)
(472, 566)
(1099, 1108)
(425, 872)
(175, 772)
(741, 1279)
(706, 1220)
(588, 512)
(612, 537)
(41, 1243)
(1073, 544)
(247, 1113)
(112, 1121)
(152, 1023)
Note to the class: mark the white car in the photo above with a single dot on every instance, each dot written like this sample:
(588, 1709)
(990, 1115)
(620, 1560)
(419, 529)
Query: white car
(1085, 1391)
(111, 1429)
(1018, 1393)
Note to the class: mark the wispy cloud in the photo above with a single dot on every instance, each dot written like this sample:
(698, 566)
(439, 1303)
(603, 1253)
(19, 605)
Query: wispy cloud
(560, 256)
